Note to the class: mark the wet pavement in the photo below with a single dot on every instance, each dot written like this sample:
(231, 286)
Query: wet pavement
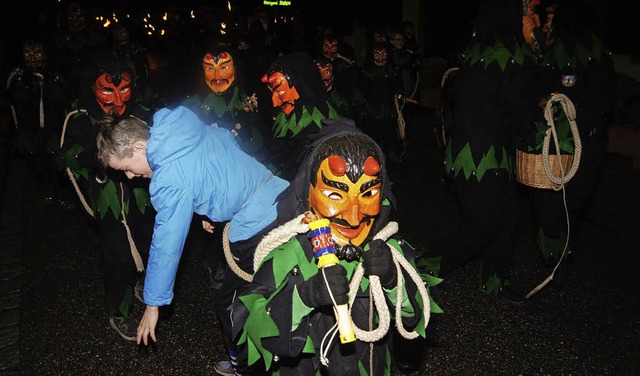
(53, 321)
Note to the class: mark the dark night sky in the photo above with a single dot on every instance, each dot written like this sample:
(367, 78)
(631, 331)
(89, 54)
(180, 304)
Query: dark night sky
(447, 24)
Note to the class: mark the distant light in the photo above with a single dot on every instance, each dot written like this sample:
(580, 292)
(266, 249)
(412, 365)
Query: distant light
(164, 17)
(229, 5)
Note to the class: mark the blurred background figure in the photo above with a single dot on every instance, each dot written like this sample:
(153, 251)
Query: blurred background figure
(263, 47)
(123, 46)
(38, 97)
(381, 113)
(74, 42)
(345, 73)
(407, 64)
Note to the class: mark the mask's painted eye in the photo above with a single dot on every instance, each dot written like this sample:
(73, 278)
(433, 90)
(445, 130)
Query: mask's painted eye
(332, 195)
(370, 193)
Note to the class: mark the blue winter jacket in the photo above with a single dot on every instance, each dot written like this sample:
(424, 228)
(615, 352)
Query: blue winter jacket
(200, 169)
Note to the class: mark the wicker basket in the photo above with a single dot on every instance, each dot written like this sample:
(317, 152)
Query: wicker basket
(530, 169)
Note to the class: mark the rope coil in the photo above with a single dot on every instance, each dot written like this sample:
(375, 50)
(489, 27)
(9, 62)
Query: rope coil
(282, 234)
(570, 111)
(558, 182)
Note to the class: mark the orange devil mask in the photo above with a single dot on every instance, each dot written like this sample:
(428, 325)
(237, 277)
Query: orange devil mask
(346, 189)
(219, 71)
(283, 94)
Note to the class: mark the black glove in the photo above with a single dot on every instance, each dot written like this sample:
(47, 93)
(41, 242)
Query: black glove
(314, 293)
(379, 261)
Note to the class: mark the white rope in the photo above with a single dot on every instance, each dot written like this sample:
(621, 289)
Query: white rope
(14, 73)
(74, 182)
(228, 256)
(570, 111)
(15, 116)
(325, 345)
(269, 242)
(378, 294)
(402, 126)
(41, 107)
(445, 76)
(132, 245)
(277, 237)
(379, 301)
(282, 234)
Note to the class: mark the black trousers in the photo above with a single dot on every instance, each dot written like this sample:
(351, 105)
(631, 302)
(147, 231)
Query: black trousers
(549, 207)
(118, 266)
(488, 228)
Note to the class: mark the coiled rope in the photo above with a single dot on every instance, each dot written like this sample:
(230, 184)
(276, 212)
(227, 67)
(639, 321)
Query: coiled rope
(558, 182)
(378, 294)
(570, 111)
(282, 234)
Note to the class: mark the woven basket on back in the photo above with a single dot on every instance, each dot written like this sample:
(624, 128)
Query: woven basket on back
(530, 168)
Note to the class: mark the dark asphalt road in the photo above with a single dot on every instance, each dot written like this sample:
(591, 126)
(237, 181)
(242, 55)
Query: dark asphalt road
(53, 322)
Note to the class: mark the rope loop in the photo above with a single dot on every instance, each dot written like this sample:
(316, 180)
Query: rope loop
(570, 111)
(378, 293)
(282, 234)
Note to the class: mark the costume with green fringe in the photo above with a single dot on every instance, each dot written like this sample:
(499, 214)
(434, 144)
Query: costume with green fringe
(276, 331)
(579, 67)
(119, 208)
(491, 102)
